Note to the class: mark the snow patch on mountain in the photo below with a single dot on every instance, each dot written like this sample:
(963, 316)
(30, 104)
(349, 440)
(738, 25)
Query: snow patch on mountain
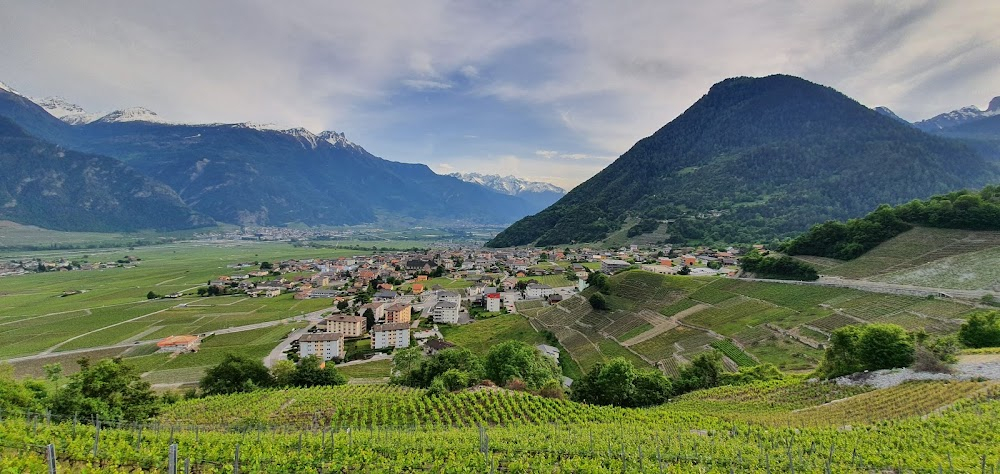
(960, 116)
(889, 113)
(338, 139)
(132, 114)
(5, 87)
(66, 111)
(510, 185)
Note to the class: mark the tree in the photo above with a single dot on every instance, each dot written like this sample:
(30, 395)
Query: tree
(415, 371)
(599, 281)
(705, 371)
(236, 373)
(151, 295)
(266, 265)
(598, 302)
(885, 346)
(685, 270)
(871, 347)
(517, 360)
(369, 319)
(342, 305)
(312, 372)
(53, 371)
(109, 389)
(16, 395)
(282, 373)
(982, 329)
(617, 382)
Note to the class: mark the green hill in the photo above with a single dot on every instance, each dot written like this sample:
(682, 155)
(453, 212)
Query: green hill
(667, 320)
(754, 159)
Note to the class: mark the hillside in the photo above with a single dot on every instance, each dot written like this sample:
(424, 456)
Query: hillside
(47, 186)
(667, 320)
(754, 159)
(252, 175)
(780, 426)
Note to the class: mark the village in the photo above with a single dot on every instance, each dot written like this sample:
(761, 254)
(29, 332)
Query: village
(397, 299)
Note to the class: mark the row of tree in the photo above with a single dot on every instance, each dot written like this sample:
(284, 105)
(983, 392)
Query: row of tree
(238, 373)
(848, 240)
(780, 268)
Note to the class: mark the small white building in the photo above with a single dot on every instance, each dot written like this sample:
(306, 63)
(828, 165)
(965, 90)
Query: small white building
(445, 312)
(325, 345)
(550, 351)
(493, 302)
(451, 296)
(537, 290)
(390, 335)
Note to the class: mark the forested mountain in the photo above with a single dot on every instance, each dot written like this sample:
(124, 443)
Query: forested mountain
(48, 186)
(246, 174)
(758, 158)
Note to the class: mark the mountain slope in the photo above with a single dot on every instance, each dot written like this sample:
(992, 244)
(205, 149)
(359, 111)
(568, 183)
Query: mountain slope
(753, 159)
(255, 175)
(539, 195)
(47, 186)
(959, 117)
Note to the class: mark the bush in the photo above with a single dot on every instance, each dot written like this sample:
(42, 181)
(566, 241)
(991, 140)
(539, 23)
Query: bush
(981, 330)
(598, 302)
(872, 347)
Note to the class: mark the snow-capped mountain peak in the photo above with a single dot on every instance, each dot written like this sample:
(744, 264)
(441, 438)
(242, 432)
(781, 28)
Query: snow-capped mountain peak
(958, 117)
(132, 114)
(66, 111)
(889, 113)
(510, 185)
(5, 87)
(338, 139)
(994, 105)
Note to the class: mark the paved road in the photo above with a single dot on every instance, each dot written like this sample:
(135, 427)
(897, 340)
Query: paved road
(878, 287)
(278, 352)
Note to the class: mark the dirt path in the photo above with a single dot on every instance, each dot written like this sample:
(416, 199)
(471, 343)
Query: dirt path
(665, 325)
(57, 346)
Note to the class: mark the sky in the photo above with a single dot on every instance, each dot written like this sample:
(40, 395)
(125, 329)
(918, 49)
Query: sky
(545, 90)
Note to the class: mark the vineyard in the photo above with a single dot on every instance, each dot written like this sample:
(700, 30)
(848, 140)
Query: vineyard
(662, 320)
(785, 426)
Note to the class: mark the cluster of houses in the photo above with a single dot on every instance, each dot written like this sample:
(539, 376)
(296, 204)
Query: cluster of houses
(26, 266)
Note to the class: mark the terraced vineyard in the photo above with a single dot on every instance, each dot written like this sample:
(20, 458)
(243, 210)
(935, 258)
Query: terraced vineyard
(665, 320)
(779, 426)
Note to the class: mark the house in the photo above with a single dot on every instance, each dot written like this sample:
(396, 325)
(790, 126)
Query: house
(390, 335)
(445, 312)
(266, 293)
(323, 293)
(689, 260)
(549, 351)
(398, 313)
(385, 296)
(666, 262)
(378, 309)
(433, 346)
(450, 296)
(611, 265)
(349, 326)
(325, 345)
(417, 288)
(418, 265)
(493, 302)
(421, 278)
(536, 290)
(555, 298)
(179, 344)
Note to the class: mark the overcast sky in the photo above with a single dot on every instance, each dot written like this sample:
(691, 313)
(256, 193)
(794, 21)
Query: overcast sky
(546, 90)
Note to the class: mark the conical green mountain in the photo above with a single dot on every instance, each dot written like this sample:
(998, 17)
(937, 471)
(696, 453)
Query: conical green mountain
(754, 159)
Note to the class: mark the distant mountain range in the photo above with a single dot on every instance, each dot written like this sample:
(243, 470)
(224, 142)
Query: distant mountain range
(757, 159)
(252, 174)
(539, 194)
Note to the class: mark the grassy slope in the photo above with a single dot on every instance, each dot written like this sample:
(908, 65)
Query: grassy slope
(775, 323)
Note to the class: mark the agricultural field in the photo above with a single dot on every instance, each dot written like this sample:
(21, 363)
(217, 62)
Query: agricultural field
(481, 335)
(109, 307)
(555, 281)
(940, 258)
(666, 320)
(368, 370)
(444, 282)
(781, 426)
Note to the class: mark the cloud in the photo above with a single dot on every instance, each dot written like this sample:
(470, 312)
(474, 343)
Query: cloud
(588, 79)
(426, 84)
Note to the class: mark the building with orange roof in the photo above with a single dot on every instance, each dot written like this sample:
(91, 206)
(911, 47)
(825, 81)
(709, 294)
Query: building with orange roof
(179, 344)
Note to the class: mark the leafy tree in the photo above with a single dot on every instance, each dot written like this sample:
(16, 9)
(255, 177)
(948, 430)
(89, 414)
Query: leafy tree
(109, 389)
(782, 268)
(53, 371)
(413, 370)
(982, 329)
(152, 295)
(342, 305)
(236, 373)
(599, 281)
(312, 372)
(617, 382)
(282, 373)
(705, 371)
(871, 347)
(598, 302)
(266, 265)
(685, 270)
(438, 272)
(517, 360)
(16, 395)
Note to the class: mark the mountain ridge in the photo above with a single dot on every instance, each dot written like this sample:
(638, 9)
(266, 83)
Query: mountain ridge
(756, 159)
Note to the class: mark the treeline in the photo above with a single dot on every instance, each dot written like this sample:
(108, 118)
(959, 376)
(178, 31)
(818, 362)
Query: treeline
(848, 240)
(779, 268)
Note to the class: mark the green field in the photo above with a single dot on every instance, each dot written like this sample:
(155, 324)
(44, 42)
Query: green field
(480, 336)
(444, 282)
(555, 281)
(112, 307)
(780, 426)
(749, 321)
(368, 370)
